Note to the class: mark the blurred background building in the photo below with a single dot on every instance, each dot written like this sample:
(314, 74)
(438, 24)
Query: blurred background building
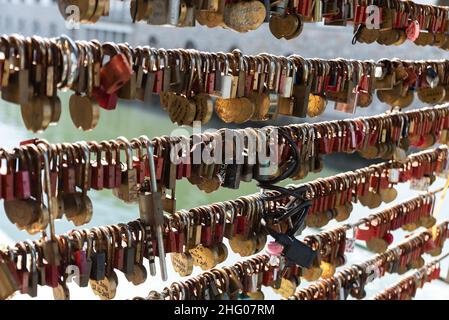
(131, 119)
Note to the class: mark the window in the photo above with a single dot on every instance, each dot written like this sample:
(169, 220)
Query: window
(8, 22)
(153, 41)
(53, 30)
(89, 34)
(36, 27)
(21, 25)
(190, 45)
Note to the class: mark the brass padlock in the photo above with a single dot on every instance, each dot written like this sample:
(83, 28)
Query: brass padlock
(128, 190)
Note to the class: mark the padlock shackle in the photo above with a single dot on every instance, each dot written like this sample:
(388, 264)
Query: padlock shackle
(124, 142)
(45, 151)
(150, 154)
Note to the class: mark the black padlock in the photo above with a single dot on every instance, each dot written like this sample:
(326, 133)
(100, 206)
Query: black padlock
(295, 251)
(129, 252)
(33, 280)
(232, 176)
(98, 266)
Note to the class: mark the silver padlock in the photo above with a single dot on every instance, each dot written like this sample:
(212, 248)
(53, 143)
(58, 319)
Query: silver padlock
(173, 12)
(287, 85)
(225, 80)
(150, 208)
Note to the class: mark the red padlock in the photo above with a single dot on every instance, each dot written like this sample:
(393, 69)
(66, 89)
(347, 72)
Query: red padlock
(23, 273)
(158, 161)
(219, 232)
(366, 231)
(388, 237)
(179, 170)
(158, 81)
(268, 276)
(206, 229)
(187, 172)
(172, 240)
(332, 200)
(118, 165)
(139, 161)
(241, 224)
(22, 189)
(437, 272)
(180, 241)
(81, 261)
(119, 257)
(68, 171)
(375, 181)
(51, 275)
(430, 245)
(105, 100)
(360, 14)
(117, 71)
(33, 155)
(97, 170)
(211, 81)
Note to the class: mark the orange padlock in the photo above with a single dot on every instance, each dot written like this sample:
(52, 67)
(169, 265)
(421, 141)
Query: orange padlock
(117, 71)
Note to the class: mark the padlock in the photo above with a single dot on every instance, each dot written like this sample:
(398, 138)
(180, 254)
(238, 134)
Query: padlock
(83, 257)
(129, 254)
(7, 178)
(105, 100)
(22, 189)
(139, 161)
(223, 80)
(432, 76)
(128, 188)
(18, 89)
(128, 90)
(117, 71)
(150, 208)
(294, 250)
(109, 166)
(23, 272)
(68, 169)
(97, 169)
(98, 262)
(159, 74)
(159, 12)
(33, 275)
(5, 63)
(8, 283)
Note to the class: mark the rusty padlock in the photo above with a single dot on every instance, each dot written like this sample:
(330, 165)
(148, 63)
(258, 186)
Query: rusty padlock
(117, 71)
